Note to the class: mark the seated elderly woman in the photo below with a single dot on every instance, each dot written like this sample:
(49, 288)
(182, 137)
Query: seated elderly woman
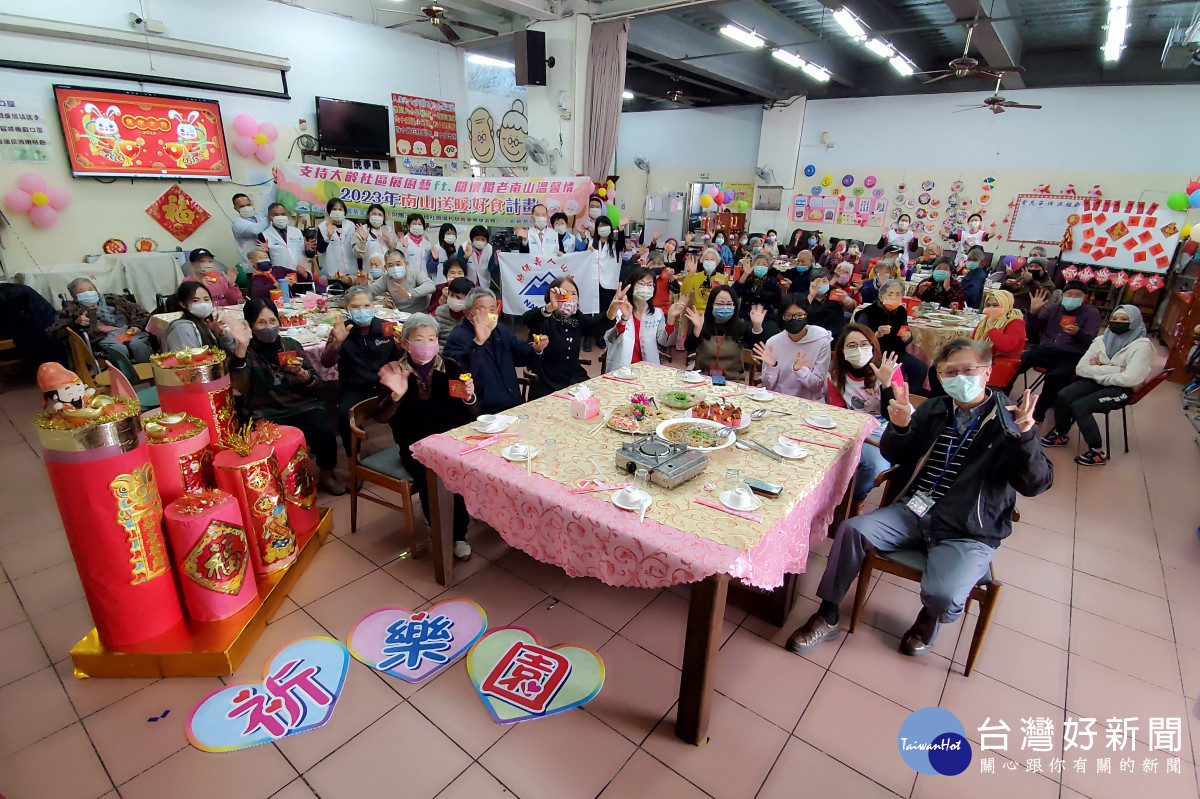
(359, 348)
(415, 400)
(490, 352)
(200, 324)
(266, 276)
(408, 287)
(278, 384)
(222, 288)
(112, 322)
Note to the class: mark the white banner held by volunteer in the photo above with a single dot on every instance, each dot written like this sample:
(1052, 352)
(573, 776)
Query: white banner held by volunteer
(525, 279)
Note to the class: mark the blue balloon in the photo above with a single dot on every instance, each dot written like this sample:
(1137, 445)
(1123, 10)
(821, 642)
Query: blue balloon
(1194, 199)
(810, 170)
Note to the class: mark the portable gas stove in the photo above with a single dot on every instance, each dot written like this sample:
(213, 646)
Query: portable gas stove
(670, 464)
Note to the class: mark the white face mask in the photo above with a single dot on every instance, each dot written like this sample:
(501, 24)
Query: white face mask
(457, 303)
(974, 225)
(450, 238)
(603, 232)
(539, 222)
(963, 388)
(337, 217)
(279, 221)
(710, 266)
(643, 293)
(201, 310)
(560, 230)
(416, 230)
(902, 225)
(246, 212)
(857, 357)
(376, 220)
(396, 272)
(594, 213)
(478, 245)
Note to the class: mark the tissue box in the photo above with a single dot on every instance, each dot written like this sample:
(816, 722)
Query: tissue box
(585, 408)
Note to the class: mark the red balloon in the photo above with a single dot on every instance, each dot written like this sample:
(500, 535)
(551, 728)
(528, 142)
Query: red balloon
(1192, 186)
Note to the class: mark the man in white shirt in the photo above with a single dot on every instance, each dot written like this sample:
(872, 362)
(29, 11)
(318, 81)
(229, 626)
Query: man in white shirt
(541, 241)
(247, 227)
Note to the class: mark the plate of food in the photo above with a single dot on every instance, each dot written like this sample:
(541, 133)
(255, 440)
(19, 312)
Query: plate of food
(680, 399)
(727, 415)
(625, 420)
(699, 434)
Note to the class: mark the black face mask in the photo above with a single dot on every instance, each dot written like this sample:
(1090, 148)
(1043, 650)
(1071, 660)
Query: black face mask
(795, 326)
(267, 335)
(263, 266)
(1120, 328)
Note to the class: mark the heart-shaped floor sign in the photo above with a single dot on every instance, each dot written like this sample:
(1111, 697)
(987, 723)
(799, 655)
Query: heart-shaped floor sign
(519, 679)
(299, 691)
(415, 646)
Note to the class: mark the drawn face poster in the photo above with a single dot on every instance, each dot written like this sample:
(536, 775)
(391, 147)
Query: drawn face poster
(497, 123)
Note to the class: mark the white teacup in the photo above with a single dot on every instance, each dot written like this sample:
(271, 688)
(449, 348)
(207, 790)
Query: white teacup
(821, 419)
(518, 450)
(624, 373)
(487, 419)
(741, 497)
(758, 393)
(787, 446)
(629, 496)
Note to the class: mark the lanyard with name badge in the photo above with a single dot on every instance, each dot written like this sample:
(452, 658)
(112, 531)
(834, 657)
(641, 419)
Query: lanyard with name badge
(921, 502)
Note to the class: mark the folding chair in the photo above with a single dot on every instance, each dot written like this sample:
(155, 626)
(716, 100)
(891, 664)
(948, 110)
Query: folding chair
(1142, 391)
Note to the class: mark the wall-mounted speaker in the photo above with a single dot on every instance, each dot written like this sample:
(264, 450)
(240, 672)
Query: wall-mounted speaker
(529, 53)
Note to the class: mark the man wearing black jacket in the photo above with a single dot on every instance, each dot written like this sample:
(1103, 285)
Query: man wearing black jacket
(960, 460)
(490, 352)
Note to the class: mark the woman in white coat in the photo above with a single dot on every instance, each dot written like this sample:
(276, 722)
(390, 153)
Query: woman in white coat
(1119, 360)
(287, 248)
(440, 251)
(417, 247)
(335, 242)
(478, 255)
(408, 287)
(639, 328)
(376, 237)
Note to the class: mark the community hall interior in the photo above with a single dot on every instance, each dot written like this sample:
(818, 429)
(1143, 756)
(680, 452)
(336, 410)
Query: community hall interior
(599, 399)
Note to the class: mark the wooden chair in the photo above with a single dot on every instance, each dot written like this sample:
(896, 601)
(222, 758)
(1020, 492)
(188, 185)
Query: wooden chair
(383, 468)
(753, 378)
(147, 392)
(1142, 391)
(84, 364)
(909, 564)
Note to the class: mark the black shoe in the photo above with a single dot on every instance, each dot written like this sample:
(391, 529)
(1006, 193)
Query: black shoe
(1093, 457)
(587, 345)
(1055, 439)
(918, 640)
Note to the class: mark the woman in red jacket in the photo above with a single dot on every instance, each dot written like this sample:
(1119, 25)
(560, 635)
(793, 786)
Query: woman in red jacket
(1003, 327)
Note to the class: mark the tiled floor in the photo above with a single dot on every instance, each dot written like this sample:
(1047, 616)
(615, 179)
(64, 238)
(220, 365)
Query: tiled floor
(1099, 616)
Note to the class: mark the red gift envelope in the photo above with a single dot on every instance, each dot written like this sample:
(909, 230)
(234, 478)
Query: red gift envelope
(1145, 236)
(1162, 260)
(1150, 221)
(1139, 256)
(1129, 243)
(1101, 241)
(1109, 252)
(1089, 232)
(1117, 230)
(1097, 254)
(1134, 221)
(1085, 218)
(1101, 219)
(1085, 247)
(1157, 249)
(289, 358)
(1170, 229)
(389, 328)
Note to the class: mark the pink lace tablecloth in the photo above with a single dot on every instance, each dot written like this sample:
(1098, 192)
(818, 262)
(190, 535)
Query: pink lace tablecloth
(680, 540)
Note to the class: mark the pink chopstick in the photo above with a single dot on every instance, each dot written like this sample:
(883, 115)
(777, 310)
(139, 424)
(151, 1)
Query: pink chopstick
(715, 506)
(622, 380)
(731, 394)
(485, 443)
(826, 430)
(817, 443)
(561, 395)
(616, 487)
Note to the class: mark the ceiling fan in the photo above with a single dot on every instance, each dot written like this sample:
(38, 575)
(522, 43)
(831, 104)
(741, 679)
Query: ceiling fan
(676, 95)
(996, 103)
(967, 67)
(436, 16)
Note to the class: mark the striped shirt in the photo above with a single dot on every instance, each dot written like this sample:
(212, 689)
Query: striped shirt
(936, 476)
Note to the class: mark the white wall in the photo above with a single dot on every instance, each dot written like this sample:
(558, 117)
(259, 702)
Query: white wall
(330, 56)
(567, 42)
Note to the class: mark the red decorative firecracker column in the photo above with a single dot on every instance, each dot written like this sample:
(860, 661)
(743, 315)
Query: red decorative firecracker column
(295, 475)
(249, 472)
(211, 554)
(99, 467)
(180, 452)
(196, 382)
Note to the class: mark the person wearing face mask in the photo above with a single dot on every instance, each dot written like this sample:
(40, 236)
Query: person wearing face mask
(699, 283)
(941, 287)
(406, 288)
(959, 462)
(797, 276)
(1067, 328)
(358, 347)
(376, 237)
(834, 256)
(607, 244)
(974, 277)
(247, 227)
(490, 352)
(479, 257)
(287, 248)
(451, 312)
(1027, 281)
(222, 287)
(796, 242)
(723, 248)
(863, 378)
(594, 212)
(442, 250)
(455, 268)
(825, 310)
(972, 235)
(1117, 362)
(415, 245)
(760, 286)
(198, 325)
(415, 401)
(665, 284)
(266, 277)
(887, 319)
(923, 266)
(335, 243)
(1002, 326)
(110, 321)
(562, 323)
(562, 231)
(770, 244)
(540, 241)
(639, 328)
(717, 338)
(883, 270)
(288, 393)
(796, 360)
(900, 235)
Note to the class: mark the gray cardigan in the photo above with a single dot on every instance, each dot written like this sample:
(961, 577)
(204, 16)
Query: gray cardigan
(416, 282)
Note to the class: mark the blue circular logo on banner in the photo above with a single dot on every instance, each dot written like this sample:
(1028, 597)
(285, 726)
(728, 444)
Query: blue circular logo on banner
(933, 741)
(810, 170)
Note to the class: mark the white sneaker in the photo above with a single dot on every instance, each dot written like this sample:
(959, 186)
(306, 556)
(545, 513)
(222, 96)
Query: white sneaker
(462, 550)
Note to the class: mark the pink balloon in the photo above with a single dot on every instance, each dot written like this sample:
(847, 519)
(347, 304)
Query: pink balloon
(18, 201)
(245, 125)
(31, 183)
(269, 130)
(245, 145)
(43, 216)
(265, 154)
(714, 191)
(60, 198)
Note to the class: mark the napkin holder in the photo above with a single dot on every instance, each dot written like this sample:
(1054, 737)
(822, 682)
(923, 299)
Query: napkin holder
(584, 405)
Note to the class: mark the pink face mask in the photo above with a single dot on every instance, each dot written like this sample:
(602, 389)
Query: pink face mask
(422, 351)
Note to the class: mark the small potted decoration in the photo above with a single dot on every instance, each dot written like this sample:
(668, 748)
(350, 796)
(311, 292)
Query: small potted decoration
(639, 404)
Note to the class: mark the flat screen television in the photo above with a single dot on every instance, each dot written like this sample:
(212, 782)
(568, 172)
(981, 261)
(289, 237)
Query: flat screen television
(138, 135)
(344, 126)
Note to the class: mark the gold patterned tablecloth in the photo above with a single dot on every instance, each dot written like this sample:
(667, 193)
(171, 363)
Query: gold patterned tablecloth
(680, 540)
(931, 339)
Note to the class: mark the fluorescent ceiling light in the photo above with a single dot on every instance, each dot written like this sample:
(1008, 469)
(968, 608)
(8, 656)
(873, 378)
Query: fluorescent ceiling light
(789, 58)
(816, 73)
(901, 65)
(627, 95)
(850, 23)
(743, 36)
(880, 48)
(476, 58)
(1118, 23)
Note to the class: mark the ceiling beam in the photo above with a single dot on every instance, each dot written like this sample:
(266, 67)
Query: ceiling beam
(605, 10)
(781, 31)
(999, 42)
(534, 9)
(878, 17)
